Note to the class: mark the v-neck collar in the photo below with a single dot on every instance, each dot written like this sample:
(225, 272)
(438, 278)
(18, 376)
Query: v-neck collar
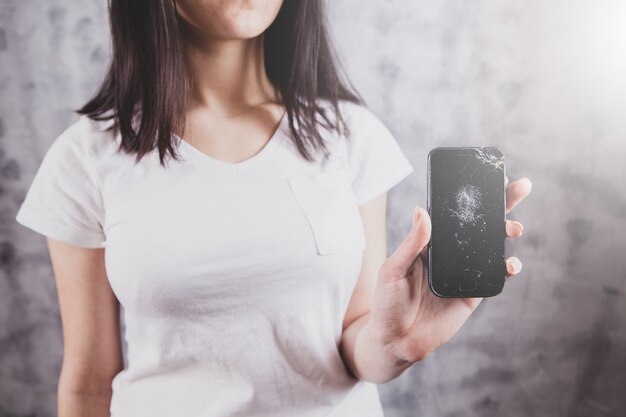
(190, 151)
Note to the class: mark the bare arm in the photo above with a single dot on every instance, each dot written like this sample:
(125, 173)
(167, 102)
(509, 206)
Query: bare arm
(92, 353)
(369, 364)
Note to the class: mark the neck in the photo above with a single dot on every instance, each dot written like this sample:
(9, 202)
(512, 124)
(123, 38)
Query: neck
(227, 75)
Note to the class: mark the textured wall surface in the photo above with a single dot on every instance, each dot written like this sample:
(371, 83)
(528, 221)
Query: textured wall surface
(543, 81)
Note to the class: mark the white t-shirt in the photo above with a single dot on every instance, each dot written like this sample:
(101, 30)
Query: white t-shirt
(234, 278)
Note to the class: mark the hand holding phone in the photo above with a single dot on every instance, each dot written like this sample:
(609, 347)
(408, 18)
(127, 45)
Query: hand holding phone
(408, 319)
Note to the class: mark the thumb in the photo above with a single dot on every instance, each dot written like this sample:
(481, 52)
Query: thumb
(402, 259)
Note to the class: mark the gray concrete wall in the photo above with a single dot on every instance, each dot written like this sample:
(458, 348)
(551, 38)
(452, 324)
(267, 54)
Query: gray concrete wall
(544, 81)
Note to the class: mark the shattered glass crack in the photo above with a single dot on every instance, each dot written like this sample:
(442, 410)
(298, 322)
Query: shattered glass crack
(468, 201)
(489, 157)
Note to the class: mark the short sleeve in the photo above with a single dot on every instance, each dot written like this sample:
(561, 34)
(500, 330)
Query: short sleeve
(64, 201)
(376, 161)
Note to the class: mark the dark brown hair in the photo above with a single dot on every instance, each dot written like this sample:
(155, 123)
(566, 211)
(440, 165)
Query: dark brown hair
(147, 78)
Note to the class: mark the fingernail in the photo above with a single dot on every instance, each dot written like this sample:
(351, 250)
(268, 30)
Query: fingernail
(517, 265)
(530, 184)
(417, 217)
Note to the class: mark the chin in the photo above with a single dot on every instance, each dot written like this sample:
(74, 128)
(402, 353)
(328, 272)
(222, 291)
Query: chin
(244, 24)
(229, 19)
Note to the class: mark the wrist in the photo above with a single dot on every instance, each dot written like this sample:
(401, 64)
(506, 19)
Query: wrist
(402, 351)
(388, 350)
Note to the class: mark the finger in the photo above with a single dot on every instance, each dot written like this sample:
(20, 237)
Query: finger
(516, 191)
(514, 228)
(513, 266)
(400, 262)
(424, 254)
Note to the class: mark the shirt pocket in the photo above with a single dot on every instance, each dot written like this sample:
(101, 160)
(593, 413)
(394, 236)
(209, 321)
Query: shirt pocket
(330, 207)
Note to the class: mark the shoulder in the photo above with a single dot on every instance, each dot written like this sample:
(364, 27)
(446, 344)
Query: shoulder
(83, 139)
(365, 130)
(370, 152)
(358, 117)
(367, 133)
(358, 113)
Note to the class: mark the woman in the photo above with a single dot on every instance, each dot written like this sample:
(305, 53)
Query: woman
(241, 263)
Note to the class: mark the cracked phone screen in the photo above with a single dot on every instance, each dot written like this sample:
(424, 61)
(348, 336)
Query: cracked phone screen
(467, 209)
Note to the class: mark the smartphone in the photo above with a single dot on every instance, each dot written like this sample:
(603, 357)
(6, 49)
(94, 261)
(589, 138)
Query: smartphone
(466, 204)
